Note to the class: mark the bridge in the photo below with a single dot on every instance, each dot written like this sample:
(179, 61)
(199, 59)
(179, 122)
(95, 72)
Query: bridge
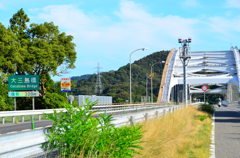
(220, 70)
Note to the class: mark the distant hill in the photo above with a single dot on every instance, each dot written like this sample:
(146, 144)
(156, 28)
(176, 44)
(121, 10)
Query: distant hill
(116, 83)
(78, 78)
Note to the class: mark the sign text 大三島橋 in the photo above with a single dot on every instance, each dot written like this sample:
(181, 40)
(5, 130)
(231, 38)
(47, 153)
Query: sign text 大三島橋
(23, 82)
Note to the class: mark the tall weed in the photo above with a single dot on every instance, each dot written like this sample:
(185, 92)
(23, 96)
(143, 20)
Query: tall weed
(80, 133)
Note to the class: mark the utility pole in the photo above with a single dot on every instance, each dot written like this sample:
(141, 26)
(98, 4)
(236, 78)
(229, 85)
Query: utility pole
(185, 57)
(130, 72)
(98, 86)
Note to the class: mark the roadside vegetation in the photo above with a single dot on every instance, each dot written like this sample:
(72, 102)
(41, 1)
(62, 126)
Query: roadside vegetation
(34, 49)
(80, 133)
(183, 134)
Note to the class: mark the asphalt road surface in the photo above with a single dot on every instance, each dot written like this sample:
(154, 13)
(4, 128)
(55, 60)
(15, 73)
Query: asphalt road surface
(227, 131)
(22, 126)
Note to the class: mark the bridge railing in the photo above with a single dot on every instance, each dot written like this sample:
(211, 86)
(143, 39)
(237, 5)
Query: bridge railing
(24, 115)
(28, 143)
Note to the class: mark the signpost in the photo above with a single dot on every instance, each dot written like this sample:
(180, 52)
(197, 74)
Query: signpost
(24, 86)
(204, 89)
(65, 85)
(24, 94)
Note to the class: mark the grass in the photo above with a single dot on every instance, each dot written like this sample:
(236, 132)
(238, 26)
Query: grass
(182, 134)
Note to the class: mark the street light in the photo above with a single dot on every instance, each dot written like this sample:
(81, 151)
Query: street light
(185, 57)
(130, 72)
(152, 75)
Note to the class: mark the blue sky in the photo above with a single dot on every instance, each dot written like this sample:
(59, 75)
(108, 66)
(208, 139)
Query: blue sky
(107, 31)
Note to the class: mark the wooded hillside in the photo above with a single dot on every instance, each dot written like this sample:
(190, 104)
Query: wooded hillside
(116, 83)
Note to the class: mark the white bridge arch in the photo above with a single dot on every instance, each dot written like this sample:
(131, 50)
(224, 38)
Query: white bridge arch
(221, 69)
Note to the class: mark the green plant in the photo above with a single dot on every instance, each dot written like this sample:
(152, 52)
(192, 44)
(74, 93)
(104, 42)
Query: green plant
(209, 108)
(79, 132)
(200, 117)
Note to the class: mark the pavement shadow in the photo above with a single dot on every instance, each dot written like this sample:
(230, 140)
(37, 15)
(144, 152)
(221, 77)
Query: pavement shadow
(227, 114)
(228, 120)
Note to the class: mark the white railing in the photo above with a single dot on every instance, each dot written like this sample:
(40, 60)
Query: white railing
(28, 143)
(12, 115)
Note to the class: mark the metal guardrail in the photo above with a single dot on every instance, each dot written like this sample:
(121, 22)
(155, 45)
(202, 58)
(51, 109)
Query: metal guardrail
(28, 143)
(40, 113)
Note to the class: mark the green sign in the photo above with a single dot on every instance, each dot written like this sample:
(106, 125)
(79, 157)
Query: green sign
(23, 82)
(24, 94)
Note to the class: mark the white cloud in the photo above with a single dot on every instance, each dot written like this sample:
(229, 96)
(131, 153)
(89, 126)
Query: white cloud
(224, 25)
(190, 3)
(113, 38)
(134, 26)
(233, 3)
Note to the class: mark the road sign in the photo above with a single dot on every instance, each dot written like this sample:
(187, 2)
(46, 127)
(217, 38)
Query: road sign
(204, 88)
(24, 94)
(23, 82)
(151, 75)
(65, 84)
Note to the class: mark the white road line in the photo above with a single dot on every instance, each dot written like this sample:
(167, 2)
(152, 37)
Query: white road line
(212, 146)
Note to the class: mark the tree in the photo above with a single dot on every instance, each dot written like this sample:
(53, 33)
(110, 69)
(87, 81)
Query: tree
(35, 49)
(39, 49)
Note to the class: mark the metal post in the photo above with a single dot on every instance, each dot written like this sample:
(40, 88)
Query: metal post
(152, 82)
(32, 117)
(185, 82)
(146, 88)
(130, 73)
(185, 57)
(204, 98)
(33, 103)
(15, 104)
(130, 80)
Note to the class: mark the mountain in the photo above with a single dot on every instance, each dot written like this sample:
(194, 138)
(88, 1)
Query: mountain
(78, 78)
(116, 83)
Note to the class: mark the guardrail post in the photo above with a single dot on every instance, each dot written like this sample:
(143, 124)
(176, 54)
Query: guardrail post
(39, 117)
(146, 116)
(156, 113)
(32, 122)
(3, 120)
(23, 119)
(131, 120)
(13, 119)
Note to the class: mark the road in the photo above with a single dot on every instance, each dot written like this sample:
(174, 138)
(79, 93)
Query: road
(22, 126)
(227, 131)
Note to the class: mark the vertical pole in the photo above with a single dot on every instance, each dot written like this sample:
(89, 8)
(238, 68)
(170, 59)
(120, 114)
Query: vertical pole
(204, 97)
(32, 117)
(146, 88)
(151, 84)
(184, 82)
(33, 103)
(130, 80)
(15, 104)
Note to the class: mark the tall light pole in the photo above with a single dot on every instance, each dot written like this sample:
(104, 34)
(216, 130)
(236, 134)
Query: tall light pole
(152, 75)
(185, 57)
(130, 72)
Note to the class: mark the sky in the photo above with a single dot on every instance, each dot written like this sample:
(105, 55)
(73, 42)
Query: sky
(106, 31)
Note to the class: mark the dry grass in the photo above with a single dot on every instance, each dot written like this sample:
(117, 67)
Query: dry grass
(177, 135)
